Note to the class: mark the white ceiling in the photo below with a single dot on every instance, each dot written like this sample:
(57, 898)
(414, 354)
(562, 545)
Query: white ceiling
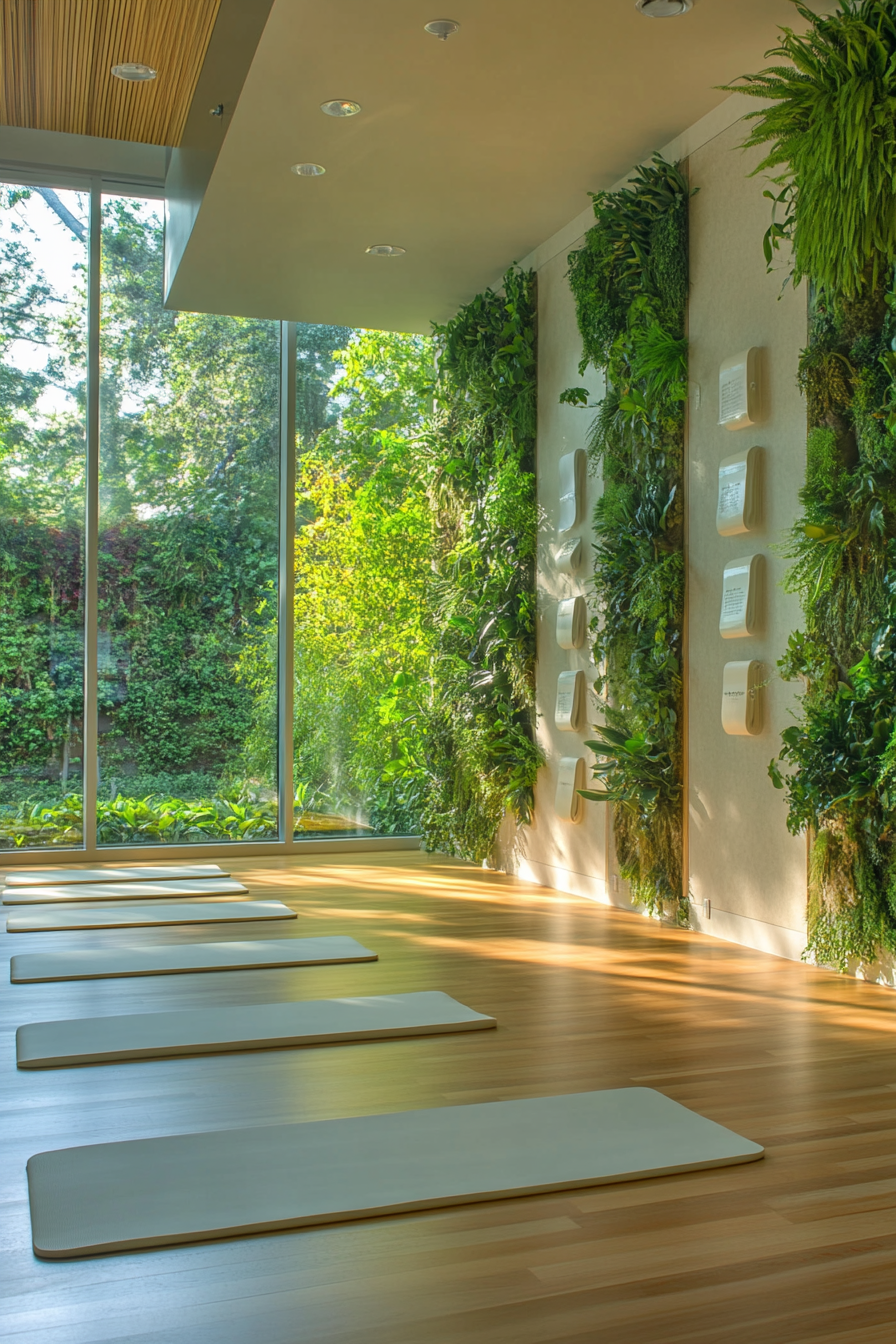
(468, 153)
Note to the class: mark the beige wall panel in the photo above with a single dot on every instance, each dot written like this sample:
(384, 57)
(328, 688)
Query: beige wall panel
(741, 855)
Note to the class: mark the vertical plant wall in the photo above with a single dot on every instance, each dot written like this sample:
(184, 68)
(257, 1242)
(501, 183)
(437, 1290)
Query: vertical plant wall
(630, 284)
(831, 131)
(481, 756)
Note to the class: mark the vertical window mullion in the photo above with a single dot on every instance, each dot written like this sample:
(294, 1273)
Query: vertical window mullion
(286, 586)
(91, 522)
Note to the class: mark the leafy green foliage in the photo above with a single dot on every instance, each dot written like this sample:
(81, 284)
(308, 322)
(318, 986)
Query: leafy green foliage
(638, 247)
(631, 316)
(481, 756)
(830, 127)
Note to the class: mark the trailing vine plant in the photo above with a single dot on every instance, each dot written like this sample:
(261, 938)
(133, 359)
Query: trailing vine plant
(482, 758)
(831, 128)
(630, 284)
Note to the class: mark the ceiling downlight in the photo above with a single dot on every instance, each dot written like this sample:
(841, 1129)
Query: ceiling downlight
(385, 250)
(442, 28)
(134, 72)
(341, 107)
(663, 9)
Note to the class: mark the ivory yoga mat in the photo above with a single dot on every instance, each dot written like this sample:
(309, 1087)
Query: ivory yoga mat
(122, 891)
(260, 1026)
(42, 877)
(190, 1187)
(54, 919)
(107, 962)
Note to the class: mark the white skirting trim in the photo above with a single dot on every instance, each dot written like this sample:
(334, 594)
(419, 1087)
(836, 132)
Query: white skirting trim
(749, 932)
(758, 934)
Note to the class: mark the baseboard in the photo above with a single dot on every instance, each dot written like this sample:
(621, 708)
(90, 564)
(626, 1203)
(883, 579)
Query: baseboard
(723, 924)
(749, 932)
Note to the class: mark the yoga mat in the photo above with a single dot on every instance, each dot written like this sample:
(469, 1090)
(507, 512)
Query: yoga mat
(190, 1187)
(41, 877)
(260, 1026)
(53, 919)
(107, 962)
(122, 891)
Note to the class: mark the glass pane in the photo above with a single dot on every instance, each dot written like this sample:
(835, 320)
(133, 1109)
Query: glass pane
(189, 491)
(362, 568)
(43, 354)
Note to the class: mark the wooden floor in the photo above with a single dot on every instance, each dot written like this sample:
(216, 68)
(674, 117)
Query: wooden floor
(795, 1249)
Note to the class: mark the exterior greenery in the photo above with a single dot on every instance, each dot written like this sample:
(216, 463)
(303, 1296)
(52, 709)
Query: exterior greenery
(832, 127)
(414, 563)
(630, 286)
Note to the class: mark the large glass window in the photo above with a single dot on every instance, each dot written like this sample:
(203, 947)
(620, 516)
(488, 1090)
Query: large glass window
(215, 551)
(188, 556)
(43, 371)
(363, 556)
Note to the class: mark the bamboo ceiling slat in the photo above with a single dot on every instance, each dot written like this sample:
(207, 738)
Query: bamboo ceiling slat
(56, 59)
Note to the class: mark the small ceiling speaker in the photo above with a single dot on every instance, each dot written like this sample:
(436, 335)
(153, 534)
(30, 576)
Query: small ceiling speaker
(442, 28)
(663, 9)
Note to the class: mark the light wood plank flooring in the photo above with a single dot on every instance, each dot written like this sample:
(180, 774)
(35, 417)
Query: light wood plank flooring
(796, 1249)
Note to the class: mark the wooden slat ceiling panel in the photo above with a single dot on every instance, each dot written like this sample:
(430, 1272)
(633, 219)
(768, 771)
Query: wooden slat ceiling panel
(56, 58)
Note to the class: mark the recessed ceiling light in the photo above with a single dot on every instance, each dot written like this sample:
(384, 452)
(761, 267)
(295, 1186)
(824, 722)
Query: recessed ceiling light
(341, 107)
(663, 9)
(441, 28)
(385, 250)
(134, 72)
(308, 169)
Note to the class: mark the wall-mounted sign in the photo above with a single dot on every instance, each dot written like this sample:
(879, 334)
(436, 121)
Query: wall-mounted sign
(739, 490)
(568, 556)
(572, 488)
(739, 390)
(740, 597)
(570, 697)
(572, 618)
(570, 778)
(742, 699)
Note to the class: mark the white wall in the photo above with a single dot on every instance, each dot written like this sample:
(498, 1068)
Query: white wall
(740, 855)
